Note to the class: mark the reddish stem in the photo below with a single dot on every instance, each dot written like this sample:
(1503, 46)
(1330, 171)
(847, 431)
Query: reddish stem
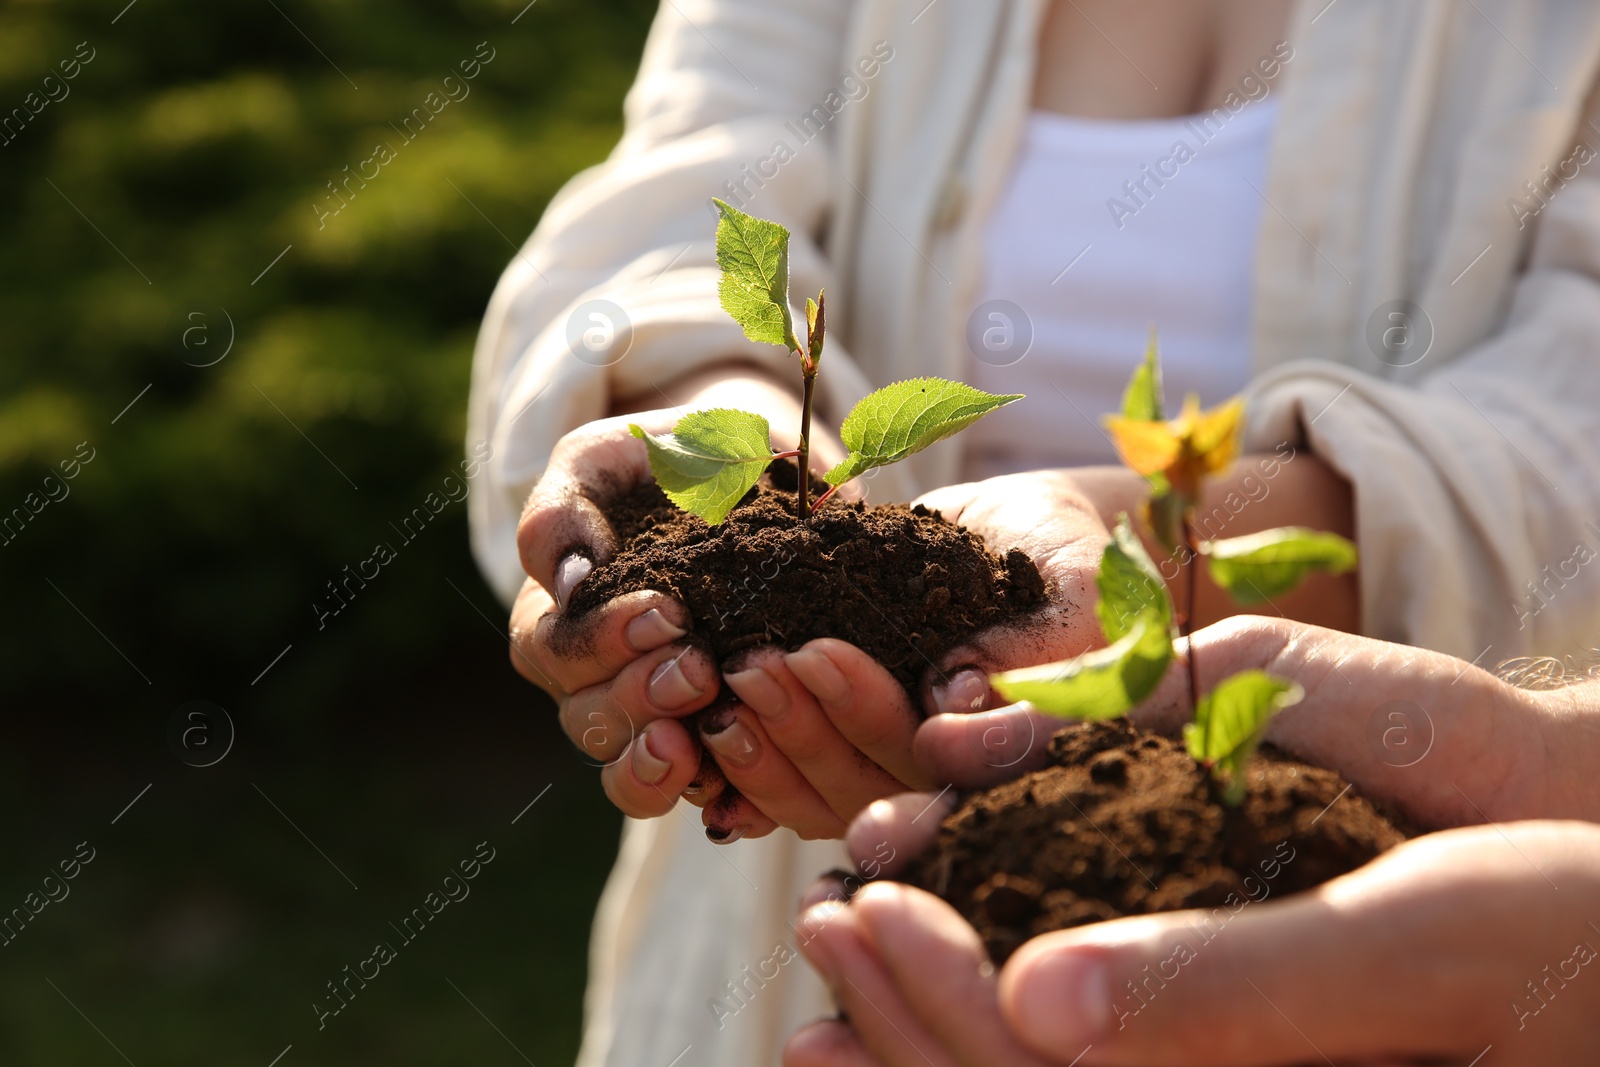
(824, 498)
(803, 459)
(793, 452)
(1186, 621)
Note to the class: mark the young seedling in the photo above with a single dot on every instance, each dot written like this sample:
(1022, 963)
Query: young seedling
(1135, 610)
(712, 458)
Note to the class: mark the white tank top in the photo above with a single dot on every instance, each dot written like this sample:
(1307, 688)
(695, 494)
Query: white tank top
(1105, 228)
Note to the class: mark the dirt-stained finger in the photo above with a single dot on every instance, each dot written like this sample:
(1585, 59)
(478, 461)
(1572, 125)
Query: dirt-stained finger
(648, 778)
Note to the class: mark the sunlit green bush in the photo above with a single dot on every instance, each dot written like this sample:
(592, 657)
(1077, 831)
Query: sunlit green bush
(142, 211)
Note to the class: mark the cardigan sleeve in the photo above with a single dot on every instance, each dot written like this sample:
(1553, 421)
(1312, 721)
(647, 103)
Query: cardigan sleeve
(1477, 485)
(615, 294)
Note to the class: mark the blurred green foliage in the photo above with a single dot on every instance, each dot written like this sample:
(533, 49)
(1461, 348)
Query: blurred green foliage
(186, 156)
(143, 212)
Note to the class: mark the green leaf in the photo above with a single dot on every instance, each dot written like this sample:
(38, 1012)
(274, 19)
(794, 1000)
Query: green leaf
(1131, 590)
(1135, 614)
(1142, 399)
(1230, 719)
(754, 256)
(906, 417)
(1164, 512)
(1259, 566)
(1103, 684)
(710, 459)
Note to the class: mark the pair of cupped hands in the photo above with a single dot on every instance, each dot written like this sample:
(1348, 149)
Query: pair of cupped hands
(1472, 942)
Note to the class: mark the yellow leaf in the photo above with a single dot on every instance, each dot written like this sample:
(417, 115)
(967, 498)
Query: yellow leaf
(1216, 435)
(1147, 447)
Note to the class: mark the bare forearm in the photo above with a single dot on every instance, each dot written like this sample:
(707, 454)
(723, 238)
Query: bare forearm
(1260, 492)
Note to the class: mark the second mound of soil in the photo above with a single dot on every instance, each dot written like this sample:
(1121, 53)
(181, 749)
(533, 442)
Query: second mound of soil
(900, 583)
(1126, 823)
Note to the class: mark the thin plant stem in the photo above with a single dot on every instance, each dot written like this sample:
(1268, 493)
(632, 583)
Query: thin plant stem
(824, 498)
(793, 452)
(803, 461)
(1186, 622)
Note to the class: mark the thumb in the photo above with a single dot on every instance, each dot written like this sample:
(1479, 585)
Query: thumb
(1368, 966)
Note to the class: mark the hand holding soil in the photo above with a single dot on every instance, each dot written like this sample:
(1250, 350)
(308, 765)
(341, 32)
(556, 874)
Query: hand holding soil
(621, 676)
(821, 732)
(739, 536)
(1438, 949)
(1418, 730)
(1362, 979)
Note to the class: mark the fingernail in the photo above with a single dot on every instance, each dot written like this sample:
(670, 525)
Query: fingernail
(734, 744)
(870, 830)
(650, 631)
(1062, 999)
(670, 688)
(822, 891)
(719, 836)
(813, 921)
(963, 693)
(819, 674)
(570, 571)
(649, 767)
(760, 691)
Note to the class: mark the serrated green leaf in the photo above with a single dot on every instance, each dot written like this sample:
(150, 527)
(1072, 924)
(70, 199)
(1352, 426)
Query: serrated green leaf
(710, 459)
(1230, 719)
(906, 417)
(1260, 566)
(1142, 399)
(1104, 684)
(1131, 588)
(754, 289)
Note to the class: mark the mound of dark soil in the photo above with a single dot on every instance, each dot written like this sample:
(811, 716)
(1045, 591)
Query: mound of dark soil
(1125, 823)
(898, 582)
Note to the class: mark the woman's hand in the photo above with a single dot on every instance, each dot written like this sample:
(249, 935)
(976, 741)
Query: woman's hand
(822, 732)
(1468, 946)
(1044, 514)
(620, 675)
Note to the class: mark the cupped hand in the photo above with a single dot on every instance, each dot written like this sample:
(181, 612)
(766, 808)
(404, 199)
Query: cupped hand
(817, 735)
(1044, 514)
(1462, 947)
(821, 732)
(620, 675)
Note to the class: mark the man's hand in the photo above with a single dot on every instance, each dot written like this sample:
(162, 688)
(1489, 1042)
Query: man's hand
(1470, 946)
(1424, 955)
(1447, 743)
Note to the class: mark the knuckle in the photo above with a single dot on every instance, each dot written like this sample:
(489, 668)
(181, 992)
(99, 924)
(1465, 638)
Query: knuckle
(586, 720)
(884, 726)
(632, 803)
(570, 717)
(536, 528)
(806, 745)
(631, 690)
(530, 648)
(524, 652)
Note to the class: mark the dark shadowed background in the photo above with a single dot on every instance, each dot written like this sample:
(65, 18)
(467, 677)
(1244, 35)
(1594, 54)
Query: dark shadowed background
(253, 381)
